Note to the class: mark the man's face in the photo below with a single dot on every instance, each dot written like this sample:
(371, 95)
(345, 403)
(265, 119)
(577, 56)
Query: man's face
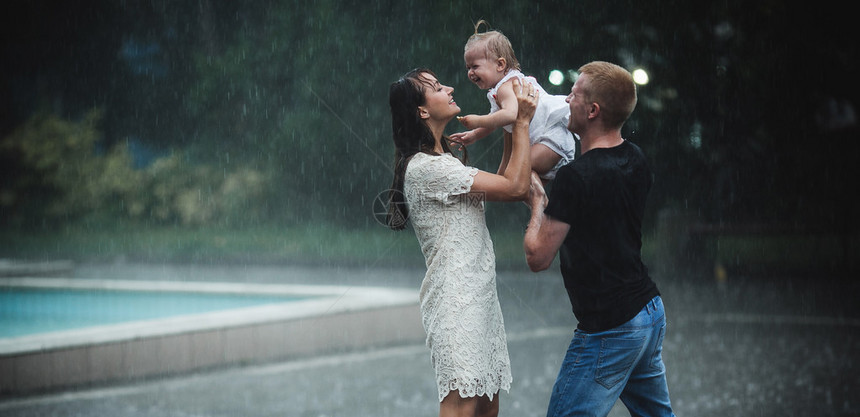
(578, 108)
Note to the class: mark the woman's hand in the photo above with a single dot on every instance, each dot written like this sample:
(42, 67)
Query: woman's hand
(527, 99)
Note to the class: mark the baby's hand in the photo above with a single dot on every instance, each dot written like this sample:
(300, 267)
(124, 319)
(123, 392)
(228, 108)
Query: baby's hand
(462, 139)
(468, 121)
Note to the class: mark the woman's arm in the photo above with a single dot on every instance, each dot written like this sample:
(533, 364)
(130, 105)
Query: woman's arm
(513, 184)
(506, 154)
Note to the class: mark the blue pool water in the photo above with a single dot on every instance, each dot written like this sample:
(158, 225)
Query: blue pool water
(25, 311)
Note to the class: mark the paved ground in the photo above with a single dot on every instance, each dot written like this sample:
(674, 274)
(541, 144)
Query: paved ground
(748, 346)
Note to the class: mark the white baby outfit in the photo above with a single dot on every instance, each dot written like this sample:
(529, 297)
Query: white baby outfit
(459, 303)
(549, 124)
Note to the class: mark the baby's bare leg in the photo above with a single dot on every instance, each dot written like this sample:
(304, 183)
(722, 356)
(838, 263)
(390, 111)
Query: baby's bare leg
(543, 158)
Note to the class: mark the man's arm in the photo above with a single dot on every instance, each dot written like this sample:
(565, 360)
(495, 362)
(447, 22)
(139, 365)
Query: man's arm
(544, 234)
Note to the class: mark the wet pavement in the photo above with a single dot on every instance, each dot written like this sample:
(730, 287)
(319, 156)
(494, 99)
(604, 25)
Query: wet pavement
(745, 346)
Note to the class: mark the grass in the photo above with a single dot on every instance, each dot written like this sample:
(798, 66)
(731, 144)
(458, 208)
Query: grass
(376, 246)
(799, 253)
(318, 244)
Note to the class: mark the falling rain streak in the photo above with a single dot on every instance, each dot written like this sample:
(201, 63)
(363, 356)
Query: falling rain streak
(247, 141)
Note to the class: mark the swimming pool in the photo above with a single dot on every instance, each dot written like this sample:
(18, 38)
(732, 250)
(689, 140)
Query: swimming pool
(115, 330)
(28, 310)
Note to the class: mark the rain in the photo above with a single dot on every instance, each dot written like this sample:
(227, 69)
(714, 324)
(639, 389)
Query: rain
(244, 148)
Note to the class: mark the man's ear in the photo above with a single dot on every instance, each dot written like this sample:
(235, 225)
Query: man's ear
(593, 110)
(423, 113)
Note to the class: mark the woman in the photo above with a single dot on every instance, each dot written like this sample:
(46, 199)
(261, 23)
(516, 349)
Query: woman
(444, 200)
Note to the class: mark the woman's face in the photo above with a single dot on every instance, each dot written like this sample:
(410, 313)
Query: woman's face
(439, 99)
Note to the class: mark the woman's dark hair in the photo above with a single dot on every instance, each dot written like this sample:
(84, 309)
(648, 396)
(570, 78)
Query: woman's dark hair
(411, 135)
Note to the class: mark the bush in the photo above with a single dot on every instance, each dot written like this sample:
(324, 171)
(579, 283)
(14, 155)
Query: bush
(61, 175)
(193, 195)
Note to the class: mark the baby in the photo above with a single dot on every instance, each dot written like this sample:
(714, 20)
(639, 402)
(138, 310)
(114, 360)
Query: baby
(491, 64)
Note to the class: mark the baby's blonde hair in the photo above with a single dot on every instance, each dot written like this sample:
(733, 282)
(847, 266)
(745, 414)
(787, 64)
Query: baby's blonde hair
(495, 44)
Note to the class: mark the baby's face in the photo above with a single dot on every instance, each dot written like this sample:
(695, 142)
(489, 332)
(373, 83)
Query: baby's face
(482, 71)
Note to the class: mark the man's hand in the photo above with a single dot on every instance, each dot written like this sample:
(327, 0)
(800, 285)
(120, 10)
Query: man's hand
(537, 195)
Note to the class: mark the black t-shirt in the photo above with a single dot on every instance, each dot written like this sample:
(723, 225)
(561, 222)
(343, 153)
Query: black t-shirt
(602, 195)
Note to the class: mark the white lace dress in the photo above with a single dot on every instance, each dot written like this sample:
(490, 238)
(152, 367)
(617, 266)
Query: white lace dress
(459, 304)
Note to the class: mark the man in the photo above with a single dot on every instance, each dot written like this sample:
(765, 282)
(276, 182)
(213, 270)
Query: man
(593, 220)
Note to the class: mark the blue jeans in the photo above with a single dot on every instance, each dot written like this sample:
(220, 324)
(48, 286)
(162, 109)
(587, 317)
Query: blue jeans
(624, 362)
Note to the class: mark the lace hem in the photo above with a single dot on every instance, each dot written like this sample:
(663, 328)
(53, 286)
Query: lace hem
(473, 388)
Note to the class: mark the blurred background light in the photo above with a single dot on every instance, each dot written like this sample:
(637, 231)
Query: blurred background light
(640, 76)
(556, 77)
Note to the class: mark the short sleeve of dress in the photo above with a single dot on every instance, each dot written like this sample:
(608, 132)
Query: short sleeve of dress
(446, 177)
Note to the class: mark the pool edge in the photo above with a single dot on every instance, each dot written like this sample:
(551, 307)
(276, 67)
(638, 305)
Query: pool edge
(348, 318)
